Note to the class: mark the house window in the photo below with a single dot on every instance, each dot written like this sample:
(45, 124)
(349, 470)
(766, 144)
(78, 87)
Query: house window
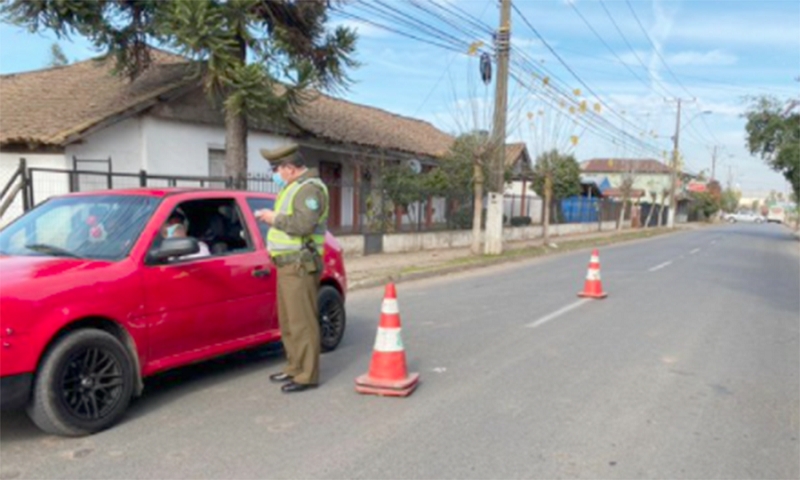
(216, 162)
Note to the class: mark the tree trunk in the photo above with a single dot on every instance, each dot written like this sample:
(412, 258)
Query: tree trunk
(622, 214)
(649, 215)
(236, 148)
(548, 195)
(477, 209)
(236, 133)
(797, 216)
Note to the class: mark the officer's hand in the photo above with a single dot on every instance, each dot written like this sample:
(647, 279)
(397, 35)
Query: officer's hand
(265, 215)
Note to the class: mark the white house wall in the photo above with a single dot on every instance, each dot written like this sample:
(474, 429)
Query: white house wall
(178, 148)
(46, 184)
(121, 142)
(654, 182)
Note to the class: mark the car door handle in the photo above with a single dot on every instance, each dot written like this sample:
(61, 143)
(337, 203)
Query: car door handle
(261, 272)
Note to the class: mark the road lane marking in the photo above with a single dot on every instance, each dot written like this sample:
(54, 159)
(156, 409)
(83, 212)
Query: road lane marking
(659, 267)
(694, 251)
(558, 313)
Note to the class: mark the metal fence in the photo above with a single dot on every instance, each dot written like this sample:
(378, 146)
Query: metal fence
(357, 206)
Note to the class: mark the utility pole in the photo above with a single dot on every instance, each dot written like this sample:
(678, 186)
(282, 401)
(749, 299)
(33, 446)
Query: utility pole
(713, 163)
(494, 207)
(676, 142)
(730, 177)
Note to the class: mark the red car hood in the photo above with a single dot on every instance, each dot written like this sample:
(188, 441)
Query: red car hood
(22, 269)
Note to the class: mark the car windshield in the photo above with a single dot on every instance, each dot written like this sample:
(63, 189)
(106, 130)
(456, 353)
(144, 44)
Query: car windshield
(94, 227)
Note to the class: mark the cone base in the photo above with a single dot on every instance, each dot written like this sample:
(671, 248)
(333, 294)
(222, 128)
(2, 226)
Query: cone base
(385, 392)
(593, 295)
(391, 388)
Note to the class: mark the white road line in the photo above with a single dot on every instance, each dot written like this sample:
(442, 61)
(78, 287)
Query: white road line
(694, 251)
(659, 267)
(558, 313)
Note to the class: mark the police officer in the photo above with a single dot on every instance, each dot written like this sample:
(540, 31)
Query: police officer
(296, 242)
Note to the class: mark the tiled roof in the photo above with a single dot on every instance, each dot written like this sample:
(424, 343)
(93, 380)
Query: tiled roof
(47, 106)
(513, 152)
(50, 107)
(617, 193)
(341, 121)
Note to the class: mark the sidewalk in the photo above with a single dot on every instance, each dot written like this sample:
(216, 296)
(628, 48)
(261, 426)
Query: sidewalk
(374, 270)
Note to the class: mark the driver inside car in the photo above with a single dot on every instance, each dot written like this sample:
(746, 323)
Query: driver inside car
(175, 227)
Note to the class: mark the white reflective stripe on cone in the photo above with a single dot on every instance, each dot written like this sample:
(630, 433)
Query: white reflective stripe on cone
(388, 340)
(390, 306)
(593, 274)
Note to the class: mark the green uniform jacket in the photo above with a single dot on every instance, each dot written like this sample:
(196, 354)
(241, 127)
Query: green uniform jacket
(308, 205)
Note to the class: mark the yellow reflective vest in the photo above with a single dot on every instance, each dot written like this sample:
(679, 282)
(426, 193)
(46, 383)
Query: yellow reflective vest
(280, 242)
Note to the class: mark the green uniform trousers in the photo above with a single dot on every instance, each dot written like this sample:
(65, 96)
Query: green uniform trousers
(298, 319)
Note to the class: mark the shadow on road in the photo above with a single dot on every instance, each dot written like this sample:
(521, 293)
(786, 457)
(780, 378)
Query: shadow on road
(167, 388)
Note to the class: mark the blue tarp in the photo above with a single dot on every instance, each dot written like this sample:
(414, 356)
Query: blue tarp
(579, 209)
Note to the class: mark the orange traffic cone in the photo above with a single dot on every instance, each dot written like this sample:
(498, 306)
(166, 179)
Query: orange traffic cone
(387, 374)
(593, 288)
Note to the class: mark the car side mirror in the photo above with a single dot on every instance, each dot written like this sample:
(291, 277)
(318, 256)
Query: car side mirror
(174, 247)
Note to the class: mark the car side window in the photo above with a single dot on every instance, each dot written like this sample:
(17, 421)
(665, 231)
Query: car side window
(257, 203)
(217, 224)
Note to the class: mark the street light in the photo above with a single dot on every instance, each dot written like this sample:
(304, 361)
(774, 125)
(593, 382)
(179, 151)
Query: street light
(673, 203)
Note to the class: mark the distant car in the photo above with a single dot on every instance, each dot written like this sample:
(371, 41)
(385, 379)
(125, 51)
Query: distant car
(97, 294)
(745, 216)
(776, 214)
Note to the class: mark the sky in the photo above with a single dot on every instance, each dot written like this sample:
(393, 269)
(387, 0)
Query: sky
(627, 61)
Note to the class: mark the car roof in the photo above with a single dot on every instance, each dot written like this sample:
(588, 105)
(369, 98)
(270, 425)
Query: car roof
(168, 191)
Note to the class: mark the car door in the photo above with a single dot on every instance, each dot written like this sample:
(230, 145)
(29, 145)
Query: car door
(198, 306)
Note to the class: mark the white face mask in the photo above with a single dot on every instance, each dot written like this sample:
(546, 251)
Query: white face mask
(171, 230)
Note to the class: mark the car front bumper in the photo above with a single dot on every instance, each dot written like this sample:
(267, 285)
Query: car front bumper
(15, 390)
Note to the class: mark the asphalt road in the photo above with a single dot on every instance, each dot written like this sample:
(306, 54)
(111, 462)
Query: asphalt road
(689, 369)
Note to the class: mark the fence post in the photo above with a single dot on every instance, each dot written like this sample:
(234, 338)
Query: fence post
(110, 176)
(600, 209)
(27, 185)
(142, 178)
(73, 176)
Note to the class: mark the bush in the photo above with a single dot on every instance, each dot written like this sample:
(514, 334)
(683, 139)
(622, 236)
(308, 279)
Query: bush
(462, 219)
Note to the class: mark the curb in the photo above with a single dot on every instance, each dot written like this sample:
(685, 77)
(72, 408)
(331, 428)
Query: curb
(481, 262)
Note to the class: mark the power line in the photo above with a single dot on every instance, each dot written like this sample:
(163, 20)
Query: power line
(625, 39)
(412, 27)
(598, 124)
(569, 69)
(603, 120)
(397, 31)
(447, 69)
(652, 43)
(663, 61)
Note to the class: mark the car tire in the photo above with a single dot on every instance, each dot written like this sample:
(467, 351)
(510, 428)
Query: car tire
(332, 317)
(83, 385)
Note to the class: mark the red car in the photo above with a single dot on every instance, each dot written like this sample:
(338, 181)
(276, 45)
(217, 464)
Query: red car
(96, 293)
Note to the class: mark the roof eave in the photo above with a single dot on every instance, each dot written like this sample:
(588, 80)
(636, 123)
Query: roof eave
(84, 129)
